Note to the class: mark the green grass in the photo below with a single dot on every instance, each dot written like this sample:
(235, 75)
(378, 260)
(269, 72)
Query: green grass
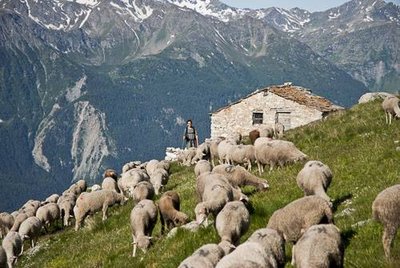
(358, 147)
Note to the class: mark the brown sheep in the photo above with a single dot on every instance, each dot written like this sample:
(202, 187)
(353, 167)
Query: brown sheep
(110, 173)
(253, 135)
(170, 215)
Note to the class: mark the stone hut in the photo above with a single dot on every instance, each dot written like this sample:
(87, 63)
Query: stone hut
(293, 106)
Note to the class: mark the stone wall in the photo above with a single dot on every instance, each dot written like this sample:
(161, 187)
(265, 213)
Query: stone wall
(239, 116)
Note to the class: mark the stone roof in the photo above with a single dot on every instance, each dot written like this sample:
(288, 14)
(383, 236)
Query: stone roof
(297, 94)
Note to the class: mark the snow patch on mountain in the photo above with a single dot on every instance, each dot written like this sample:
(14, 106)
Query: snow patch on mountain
(76, 91)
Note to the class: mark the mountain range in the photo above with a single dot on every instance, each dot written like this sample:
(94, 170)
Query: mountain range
(87, 85)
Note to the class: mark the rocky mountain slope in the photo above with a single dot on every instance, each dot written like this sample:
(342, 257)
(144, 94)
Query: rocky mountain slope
(91, 84)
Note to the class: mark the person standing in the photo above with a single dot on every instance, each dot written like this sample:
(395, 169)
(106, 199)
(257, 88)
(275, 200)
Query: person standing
(190, 135)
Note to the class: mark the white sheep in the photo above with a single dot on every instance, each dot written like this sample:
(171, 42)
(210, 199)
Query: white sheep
(130, 165)
(314, 179)
(186, 156)
(276, 152)
(12, 245)
(239, 176)
(95, 187)
(81, 185)
(296, 217)
(232, 222)
(89, 203)
(30, 229)
(143, 218)
(169, 206)
(3, 258)
(214, 148)
(48, 214)
(320, 246)
(30, 207)
(207, 256)
(224, 147)
(18, 220)
(386, 210)
(391, 107)
(142, 190)
(109, 184)
(202, 166)
(151, 166)
(51, 199)
(241, 154)
(128, 180)
(66, 204)
(159, 178)
(6, 223)
(202, 152)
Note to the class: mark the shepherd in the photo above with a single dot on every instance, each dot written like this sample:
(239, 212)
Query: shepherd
(190, 135)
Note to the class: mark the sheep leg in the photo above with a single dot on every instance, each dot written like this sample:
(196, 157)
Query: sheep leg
(105, 207)
(134, 246)
(162, 224)
(293, 262)
(259, 167)
(387, 239)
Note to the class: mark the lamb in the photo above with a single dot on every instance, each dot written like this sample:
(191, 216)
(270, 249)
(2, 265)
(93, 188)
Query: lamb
(169, 206)
(272, 242)
(276, 152)
(109, 184)
(89, 203)
(241, 154)
(30, 229)
(159, 178)
(12, 245)
(110, 173)
(296, 217)
(232, 222)
(3, 257)
(207, 256)
(386, 210)
(143, 218)
(6, 223)
(201, 167)
(320, 246)
(391, 107)
(48, 214)
(239, 176)
(142, 190)
(186, 156)
(314, 179)
(51, 199)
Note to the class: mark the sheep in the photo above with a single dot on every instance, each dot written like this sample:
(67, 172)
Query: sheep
(51, 199)
(253, 135)
(391, 107)
(320, 246)
(12, 245)
(143, 218)
(159, 178)
(223, 150)
(232, 222)
(276, 152)
(239, 176)
(18, 220)
(207, 256)
(30, 207)
(201, 167)
(3, 258)
(214, 148)
(186, 156)
(169, 206)
(109, 184)
(296, 217)
(127, 182)
(266, 131)
(110, 173)
(66, 205)
(241, 154)
(89, 203)
(314, 179)
(81, 185)
(202, 152)
(272, 241)
(6, 223)
(279, 130)
(386, 210)
(164, 164)
(142, 190)
(30, 229)
(95, 187)
(130, 165)
(48, 214)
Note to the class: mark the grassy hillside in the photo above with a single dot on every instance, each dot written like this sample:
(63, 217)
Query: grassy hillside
(358, 147)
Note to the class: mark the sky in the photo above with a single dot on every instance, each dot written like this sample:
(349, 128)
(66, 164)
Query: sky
(310, 5)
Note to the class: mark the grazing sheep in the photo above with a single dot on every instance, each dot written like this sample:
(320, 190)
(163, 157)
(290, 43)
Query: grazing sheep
(51, 199)
(129, 179)
(239, 176)
(66, 204)
(320, 246)
(214, 148)
(224, 147)
(109, 184)
(164, 164)
(266, 131)
(81, 185)
(30, 229)
(169, 206)
(202, 152)
(314, 179)
(143, 190)
(159, 178)
(253, 135)
(143, 218)
(296, 217)
(12, 245)
(186, 156)
(241, 154)
(386, 210)
(272, 241)
(48, 214)
(89, 203)
(130, 165)
(276, 152)
(391, 107)
(18, 220)
(30, 207)
(110, 173)
(6, 223)
(207, 256)
(151, 166)
(201, 167)
(232, 222)
(3, 258)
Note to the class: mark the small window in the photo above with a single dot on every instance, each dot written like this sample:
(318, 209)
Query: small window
(257, 118)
